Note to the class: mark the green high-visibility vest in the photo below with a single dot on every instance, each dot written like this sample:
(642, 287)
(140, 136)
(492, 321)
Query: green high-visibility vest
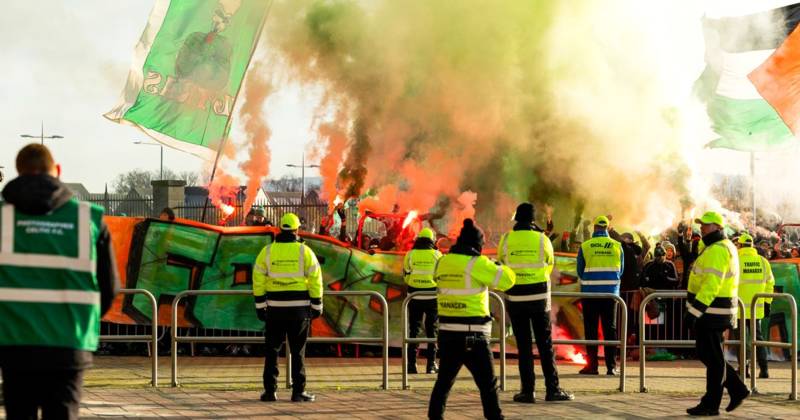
(49, 294)
(755, 276)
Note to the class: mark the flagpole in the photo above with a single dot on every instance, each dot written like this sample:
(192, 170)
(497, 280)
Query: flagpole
(753, 184)
(233, 107)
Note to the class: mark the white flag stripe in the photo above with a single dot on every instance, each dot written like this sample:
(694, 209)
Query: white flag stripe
(140, 53)
(85, 297)
(733, 81)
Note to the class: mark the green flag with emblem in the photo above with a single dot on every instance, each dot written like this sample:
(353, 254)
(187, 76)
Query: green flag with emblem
(187, 70)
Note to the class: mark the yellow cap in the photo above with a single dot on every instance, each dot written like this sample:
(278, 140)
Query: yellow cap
(426, 233)
(746, 239)
(601, 221)
(711, 218)
(290, 221)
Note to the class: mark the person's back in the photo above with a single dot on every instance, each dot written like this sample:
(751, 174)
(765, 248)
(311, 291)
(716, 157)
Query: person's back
(57, 278)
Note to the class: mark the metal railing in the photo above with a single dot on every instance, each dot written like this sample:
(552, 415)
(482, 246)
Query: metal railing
(151, 338)
(756, 342)
(407, 340)
(383, 339)
(622, 312)
(644, 342)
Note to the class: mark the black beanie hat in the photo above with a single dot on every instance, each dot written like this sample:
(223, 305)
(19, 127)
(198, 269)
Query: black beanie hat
(470, 235)
(524, 213)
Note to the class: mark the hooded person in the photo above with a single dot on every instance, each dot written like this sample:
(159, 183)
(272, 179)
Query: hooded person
(52, 244)
(418, 266)
(529, 253)
(463, 278)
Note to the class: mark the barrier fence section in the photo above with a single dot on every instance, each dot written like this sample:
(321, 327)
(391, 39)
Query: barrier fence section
(644, 342)
(151, 338)
(756, 342)
(383, 339)
(408, 340)
(622, 312)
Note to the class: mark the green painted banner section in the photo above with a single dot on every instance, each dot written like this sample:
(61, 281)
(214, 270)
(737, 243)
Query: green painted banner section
(195, 68)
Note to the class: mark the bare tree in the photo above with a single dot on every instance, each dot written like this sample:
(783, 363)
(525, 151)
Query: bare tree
(140, 179)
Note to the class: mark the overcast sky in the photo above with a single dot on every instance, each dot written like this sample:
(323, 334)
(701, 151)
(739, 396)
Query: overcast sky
(65, 62)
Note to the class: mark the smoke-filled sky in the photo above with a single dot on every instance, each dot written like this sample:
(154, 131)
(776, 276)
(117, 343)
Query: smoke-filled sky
(557, 101)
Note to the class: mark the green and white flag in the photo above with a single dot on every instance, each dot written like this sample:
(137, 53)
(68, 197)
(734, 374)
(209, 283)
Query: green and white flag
(187, 70)
(740, 36)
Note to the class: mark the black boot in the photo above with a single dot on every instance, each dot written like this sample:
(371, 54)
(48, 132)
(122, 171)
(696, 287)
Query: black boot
(432, 367)
(412, 368)
(303, 397)
(558, 394)
(736, 400)
(525, 397)
(269, 396)
(700, 410)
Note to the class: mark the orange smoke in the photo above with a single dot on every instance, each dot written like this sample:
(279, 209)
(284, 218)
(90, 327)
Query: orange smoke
(335, 138)
(256, 168)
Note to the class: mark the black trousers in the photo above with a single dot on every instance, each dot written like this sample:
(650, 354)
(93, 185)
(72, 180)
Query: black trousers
(719, 373)
(761, 351)
(604, 311)
(278, 330)
(525, 319)
(56, 392)
(473, 351)
(418, 308)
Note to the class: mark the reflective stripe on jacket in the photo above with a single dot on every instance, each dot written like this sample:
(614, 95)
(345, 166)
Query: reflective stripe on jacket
(713, 283)
(287, 274)
(755, 276)
(418, 266)
(49, 294)
(600, 264)
(463, 283)
(529, 253)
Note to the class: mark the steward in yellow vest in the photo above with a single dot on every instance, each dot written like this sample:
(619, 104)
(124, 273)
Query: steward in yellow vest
(529, 253)
(418, 266)
(57, 279)
(755, 276)
(287, 286)
(463, 278)
(710, 310)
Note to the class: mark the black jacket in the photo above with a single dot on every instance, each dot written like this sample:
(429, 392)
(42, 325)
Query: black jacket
(660, 276)
(40, 195)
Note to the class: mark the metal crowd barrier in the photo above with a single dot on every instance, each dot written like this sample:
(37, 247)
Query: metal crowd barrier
(407, 340)
(151, 338)
(792, 346)
(644, 342)
(622, 329)
(383, 339)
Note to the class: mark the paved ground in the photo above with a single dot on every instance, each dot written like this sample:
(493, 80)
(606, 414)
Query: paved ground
(221, 387)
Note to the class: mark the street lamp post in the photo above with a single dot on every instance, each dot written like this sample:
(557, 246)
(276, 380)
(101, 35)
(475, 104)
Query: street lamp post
(302, 167)
(162, 155)
(41, 136)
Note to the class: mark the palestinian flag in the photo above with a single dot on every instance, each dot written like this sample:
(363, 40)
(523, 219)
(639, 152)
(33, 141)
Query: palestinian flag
(745, 77)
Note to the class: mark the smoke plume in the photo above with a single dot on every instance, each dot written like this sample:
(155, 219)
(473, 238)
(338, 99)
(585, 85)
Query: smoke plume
(559, 103)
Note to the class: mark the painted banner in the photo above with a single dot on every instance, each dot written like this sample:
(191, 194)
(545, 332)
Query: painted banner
(187, 70)
(167, 258)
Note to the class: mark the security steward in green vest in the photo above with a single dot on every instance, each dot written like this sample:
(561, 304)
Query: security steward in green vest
(529, 253)
(287, 286)
(463, 278)
(418, 267)
(710, 310)
(57, 279)
(755, 276)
